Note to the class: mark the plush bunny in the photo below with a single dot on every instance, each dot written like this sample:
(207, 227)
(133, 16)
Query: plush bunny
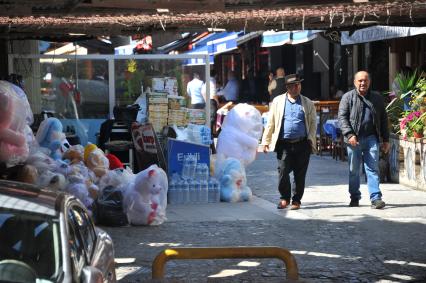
(241, 131)
(13, 144)
(233, 182)
(145, 202)
(50, 136)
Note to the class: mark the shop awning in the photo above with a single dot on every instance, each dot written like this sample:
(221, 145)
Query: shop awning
(198, 61)
(165, 49)
(273, 38)
(249, 36)
(376, 33)
(213, 44)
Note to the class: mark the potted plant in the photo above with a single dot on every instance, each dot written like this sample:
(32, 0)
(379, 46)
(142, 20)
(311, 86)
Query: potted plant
(413, 124)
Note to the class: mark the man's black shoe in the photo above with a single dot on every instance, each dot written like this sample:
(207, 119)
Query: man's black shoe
(378, 204)
(354, 203)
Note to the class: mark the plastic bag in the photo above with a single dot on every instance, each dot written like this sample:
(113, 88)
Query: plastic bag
(109, 208)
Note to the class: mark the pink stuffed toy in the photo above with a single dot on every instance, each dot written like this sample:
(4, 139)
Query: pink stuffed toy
(13, 144)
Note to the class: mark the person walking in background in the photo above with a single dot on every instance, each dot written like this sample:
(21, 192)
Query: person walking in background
(193, 89)
(277, 86)
(214, 101)
(291, 133)
(232, 88)
(363, 121)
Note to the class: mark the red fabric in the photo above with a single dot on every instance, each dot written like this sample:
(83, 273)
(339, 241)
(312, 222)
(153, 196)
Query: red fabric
(114, 162)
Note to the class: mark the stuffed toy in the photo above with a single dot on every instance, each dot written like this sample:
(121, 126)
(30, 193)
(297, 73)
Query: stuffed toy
(233, 182)
(114, 162)
(241, 131)
(13, 145)
(145, 202)
(95, 160)
(118, 178)
(74, 154)
(50, 136)
(47, 173)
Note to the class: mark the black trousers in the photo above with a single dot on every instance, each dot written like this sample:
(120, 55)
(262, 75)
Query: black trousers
(292, 157)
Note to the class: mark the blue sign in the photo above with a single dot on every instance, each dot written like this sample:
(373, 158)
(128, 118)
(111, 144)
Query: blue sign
(177, 150)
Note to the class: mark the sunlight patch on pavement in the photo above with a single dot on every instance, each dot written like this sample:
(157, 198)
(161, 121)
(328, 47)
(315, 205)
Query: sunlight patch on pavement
(323, 255)
(124, 271)
(248, 263)
(122, 260)
(402, 277)
(161, 244)
(401, 262)
(227, 273)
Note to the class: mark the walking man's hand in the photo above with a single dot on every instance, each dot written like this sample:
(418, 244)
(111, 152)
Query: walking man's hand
(386, 147)
(265, 148)
(353, 141)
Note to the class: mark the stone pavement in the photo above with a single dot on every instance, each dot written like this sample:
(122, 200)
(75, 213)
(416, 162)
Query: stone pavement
(331, 241)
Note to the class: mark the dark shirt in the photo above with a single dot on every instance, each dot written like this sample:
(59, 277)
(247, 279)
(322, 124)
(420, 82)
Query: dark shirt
(367, 121)
(294, 120)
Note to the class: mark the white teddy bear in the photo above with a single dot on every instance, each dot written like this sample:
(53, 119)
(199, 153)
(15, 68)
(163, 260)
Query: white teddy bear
(241, 131)
(145, 202)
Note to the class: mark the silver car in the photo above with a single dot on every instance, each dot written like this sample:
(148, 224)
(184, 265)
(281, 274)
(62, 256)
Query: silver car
(48, 236)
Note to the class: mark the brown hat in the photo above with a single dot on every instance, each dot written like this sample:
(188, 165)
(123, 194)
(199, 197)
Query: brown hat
(292, 79)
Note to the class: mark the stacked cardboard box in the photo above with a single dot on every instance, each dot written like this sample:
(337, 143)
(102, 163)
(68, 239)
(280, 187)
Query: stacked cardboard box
(196, 116)
(158, 110)
(177, 111)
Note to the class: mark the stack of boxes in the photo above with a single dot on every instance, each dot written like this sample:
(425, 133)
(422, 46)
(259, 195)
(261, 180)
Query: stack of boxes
(158, 110)
(177, 111)
(196, 116)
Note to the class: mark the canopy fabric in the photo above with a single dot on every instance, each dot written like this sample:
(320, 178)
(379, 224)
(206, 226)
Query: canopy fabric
(273, 38)
(198, 61)
(377, 33)
(249, 36)
(213, 44)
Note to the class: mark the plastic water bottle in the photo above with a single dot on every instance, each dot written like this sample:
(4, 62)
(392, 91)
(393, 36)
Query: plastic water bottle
(204, 195)
(171, 194)
(193, 191)
(178, 188)
(211, 191)
(206, 171)
(185, 191)
(216, 188)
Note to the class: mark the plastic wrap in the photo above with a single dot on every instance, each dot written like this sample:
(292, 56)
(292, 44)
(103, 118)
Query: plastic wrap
(241, 131)
(145, 202)
(13, 125)
(233, 181)
(50, 136)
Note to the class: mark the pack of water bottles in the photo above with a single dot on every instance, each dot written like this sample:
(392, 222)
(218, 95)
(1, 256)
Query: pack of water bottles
(194, 184)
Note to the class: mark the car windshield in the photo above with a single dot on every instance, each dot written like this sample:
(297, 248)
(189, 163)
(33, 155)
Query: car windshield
(29, 246)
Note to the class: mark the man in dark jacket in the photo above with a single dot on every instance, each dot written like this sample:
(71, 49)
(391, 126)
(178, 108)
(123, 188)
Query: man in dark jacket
(363, 122)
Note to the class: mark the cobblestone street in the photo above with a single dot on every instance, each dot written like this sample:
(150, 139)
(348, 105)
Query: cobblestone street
(331, 241)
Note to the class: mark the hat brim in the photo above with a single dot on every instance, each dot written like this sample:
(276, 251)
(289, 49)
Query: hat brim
(294, 82)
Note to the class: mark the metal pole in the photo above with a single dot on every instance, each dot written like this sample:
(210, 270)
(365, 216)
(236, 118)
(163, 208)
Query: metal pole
(158, 265)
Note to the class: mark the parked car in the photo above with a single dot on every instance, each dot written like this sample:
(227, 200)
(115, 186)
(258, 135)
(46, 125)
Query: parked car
(48, 236)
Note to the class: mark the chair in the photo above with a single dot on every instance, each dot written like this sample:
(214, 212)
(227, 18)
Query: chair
(116, 138)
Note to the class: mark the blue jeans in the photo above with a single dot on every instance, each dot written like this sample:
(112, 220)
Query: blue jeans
(368, 149)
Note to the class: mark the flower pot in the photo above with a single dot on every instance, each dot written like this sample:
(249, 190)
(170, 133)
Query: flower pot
(417, 135)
